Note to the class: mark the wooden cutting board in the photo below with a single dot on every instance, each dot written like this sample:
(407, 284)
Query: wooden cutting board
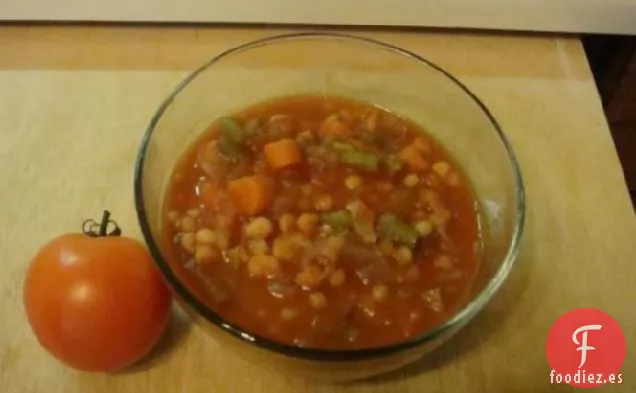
(74, 102)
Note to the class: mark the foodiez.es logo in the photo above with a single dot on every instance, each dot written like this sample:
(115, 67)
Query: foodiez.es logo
(586, 348)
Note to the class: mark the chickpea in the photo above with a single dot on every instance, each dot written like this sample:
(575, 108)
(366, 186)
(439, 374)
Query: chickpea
(441, 168)
(424, 227)
(421, 144)
(286, 222)
(205, 236)
(194, 213)
(443, 262)
(317, 300)
(188, 224)
(337, 278)
(173, 216)
(332, 247)
(307, 223)
(259, 227)
(323, 261)
(420, 213)
(380, 292)
(310, 277)
(453, 179)
(258, 247)
(325, 230)
(205, 254)
(384, 186)
(413, 274)
(237, 256)
(288, 314)
(304, 138)
(306, 189)
(403, 255)
(222, 240)
(304, 204)
(386, 247)
(411, 180)
(284, 248)
(188, 241)
(440, 217)
(352, 182)
(323, 202)
(263, 265)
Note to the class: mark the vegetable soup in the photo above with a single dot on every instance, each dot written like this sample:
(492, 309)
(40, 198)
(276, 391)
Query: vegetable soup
(323, 222)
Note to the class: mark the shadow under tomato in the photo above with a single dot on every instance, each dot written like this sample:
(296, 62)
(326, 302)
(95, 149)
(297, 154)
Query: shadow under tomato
(174, 336)
(483, 328)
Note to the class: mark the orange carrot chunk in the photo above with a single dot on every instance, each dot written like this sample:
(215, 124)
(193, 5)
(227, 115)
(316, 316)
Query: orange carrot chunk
(251, 194)
(282, 153)
(413, 158)
(334, 127)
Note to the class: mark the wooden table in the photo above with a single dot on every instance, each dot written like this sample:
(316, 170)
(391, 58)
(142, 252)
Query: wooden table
(74, 102)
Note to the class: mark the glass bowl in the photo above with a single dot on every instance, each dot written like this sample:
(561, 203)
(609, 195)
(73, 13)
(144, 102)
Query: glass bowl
(358, 68)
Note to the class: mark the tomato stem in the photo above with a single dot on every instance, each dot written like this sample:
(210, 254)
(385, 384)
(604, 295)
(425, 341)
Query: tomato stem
(103, 226)
(92, 228)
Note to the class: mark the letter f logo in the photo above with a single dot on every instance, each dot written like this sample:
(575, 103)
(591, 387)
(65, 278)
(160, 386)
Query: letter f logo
(583, 344)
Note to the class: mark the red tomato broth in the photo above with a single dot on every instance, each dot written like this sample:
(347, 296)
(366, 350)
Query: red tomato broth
(420, 294)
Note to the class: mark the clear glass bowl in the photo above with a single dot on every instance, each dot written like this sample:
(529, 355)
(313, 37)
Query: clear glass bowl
(359, 68)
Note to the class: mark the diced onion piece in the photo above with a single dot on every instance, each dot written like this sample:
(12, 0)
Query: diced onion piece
(279, 290)
(433, 299)
(323, 202)
(443, 262)
(363, 221)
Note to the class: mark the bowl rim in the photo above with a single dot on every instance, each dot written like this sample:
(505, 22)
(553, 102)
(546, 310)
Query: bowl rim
(455, 322)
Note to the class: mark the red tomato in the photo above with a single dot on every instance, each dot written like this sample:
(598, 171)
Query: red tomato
(95, 300)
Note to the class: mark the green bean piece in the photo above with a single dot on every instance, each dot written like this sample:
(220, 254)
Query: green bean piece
(391, 227)
(338, 220)
(362, 159)
(232, 129)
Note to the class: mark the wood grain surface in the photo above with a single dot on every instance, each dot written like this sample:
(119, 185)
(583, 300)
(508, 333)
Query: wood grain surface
(571, 16)
(74, 102)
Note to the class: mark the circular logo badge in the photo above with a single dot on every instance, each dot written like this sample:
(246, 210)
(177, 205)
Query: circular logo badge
(586, 348)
